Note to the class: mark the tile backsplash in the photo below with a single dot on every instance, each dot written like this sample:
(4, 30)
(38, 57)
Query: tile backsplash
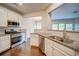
(70, 35)
(73, 36)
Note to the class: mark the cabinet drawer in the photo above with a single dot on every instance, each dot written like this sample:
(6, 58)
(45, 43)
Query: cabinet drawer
(58, 52)
(48, 42)
(64, 49)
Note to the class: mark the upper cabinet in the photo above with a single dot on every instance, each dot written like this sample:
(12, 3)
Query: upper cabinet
(12, 16)
(6, 14)
(20, 20)
(3, 17)
(65, 11)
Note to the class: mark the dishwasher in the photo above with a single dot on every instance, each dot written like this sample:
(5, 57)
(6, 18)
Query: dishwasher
(42, 43)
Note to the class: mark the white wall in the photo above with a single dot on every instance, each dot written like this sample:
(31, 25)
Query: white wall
(45, 18)
(46, 21)
(29, 21)
(53, 6)
(28, 24)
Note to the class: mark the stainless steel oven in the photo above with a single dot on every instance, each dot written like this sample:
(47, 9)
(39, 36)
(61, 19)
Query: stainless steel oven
(16, 38)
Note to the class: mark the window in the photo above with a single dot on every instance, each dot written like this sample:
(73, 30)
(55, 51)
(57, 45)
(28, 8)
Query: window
(61, 26)
(37, 22)
(69, 27)
(55, 26)
(76, 27)
(37, 25)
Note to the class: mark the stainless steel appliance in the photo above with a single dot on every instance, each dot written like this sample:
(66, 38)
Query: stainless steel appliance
(16, 37)
(13, 24)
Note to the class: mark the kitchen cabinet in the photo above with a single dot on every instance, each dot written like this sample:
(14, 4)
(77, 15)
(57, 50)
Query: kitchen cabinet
(77, 53)
(4, 43)
(48, 47)
(58, 52)
(42, 43)
(55, 49)
(6, 14)
(12, 16)
(65, 50)
(34, 40)
(3, 17)
(21, 21)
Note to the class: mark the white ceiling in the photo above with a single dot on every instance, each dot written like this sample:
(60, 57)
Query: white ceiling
(26, 7)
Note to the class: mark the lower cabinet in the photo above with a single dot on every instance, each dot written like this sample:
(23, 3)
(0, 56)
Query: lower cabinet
(42, 43)
(4, 43)
(48, 47)
(55, 49)
(58, 52)
(48, 51)
(65, 50)
(34, 40)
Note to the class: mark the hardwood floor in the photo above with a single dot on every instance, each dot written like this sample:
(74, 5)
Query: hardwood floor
(24, 50)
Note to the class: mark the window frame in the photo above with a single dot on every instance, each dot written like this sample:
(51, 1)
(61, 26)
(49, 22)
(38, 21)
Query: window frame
(35, 24)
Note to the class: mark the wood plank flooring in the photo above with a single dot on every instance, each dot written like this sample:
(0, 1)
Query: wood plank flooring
(24, 50)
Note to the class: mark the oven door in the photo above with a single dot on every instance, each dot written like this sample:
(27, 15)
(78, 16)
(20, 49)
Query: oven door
(16, 39)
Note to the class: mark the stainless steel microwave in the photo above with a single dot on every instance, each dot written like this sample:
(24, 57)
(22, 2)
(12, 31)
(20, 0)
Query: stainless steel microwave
(13, 23)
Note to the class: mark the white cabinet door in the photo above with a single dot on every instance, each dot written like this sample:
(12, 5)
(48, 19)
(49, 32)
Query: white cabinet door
(21, 21)
(48, 47)
(12, 16)
(48, 51)
(42, 43)
(16, 16)
(67, 50)
(34, 40)
(3, 17)
(58, 52)
(4, 43)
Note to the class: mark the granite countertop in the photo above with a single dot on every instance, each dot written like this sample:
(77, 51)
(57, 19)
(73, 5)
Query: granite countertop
(73, 46)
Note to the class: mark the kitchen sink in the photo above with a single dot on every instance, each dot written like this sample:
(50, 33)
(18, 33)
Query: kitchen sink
(64, 40)
(53, 37)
